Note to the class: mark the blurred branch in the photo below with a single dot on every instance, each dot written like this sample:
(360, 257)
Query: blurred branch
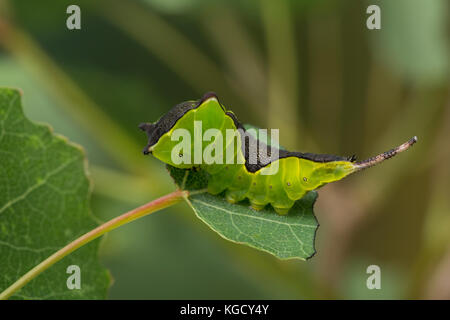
(439, 283)
(5, 9)
(283, 81)
(240, 53)
(170, 46)
(381, 105)
(325, 80)
(436, 238)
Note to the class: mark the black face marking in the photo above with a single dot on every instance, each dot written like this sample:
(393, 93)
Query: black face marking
(146, 126)
(155, 130)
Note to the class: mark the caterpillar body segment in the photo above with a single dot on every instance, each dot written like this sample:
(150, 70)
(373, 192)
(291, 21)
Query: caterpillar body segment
(232, 170)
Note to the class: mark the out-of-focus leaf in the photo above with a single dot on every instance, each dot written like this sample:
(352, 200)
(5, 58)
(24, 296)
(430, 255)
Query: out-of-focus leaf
(413, 39)
(44, 204)
(289, 236)
(174, 6)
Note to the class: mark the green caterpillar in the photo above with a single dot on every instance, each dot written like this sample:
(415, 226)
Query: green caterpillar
(240, 178)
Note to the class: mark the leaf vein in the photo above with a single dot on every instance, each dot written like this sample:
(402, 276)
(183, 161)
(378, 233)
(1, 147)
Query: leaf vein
(250, 216)
(37, 185)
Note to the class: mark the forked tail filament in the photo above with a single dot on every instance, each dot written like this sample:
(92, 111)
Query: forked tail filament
(385, 155)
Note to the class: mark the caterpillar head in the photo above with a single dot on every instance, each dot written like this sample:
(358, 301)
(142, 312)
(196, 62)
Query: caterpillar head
(158, 129)
(155, 131)
(149, 129)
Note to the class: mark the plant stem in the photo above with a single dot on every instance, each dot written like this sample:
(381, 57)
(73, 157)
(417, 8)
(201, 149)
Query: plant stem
(155, 205)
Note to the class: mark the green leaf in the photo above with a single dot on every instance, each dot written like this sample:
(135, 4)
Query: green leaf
(289, 236)
(44, 205)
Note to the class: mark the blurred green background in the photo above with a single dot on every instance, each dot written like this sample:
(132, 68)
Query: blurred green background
(311, 68)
